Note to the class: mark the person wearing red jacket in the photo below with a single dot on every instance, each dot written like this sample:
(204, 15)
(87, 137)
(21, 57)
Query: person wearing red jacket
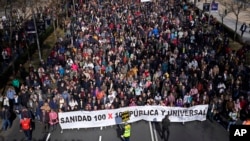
(25, 125)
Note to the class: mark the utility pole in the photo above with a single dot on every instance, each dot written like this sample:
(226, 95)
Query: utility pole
(74, 6)
(37, 38)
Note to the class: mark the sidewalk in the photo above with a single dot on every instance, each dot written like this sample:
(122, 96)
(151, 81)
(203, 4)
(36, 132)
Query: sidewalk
(28, 12)
(230, 20)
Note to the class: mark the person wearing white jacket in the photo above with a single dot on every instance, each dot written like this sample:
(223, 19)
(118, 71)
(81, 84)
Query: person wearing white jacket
(6, 102)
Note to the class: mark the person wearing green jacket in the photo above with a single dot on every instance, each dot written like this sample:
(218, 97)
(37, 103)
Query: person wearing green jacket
(16, 84)
(127, 130)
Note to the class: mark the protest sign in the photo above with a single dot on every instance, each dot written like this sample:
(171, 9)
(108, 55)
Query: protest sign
(89, 119)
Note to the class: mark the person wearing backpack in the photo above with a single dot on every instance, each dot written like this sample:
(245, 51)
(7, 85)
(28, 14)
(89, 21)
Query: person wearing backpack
(25, 125)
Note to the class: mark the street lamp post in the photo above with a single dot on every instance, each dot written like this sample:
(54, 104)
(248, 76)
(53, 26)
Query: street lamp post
(27, 46)
(37, 38)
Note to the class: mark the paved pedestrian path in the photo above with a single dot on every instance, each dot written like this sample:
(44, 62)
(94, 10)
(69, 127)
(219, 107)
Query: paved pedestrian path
(230, 20)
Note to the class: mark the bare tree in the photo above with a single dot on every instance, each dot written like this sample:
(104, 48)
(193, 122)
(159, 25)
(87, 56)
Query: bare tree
(223, 13)
(246, 3)
(55, 13)
(236, 7)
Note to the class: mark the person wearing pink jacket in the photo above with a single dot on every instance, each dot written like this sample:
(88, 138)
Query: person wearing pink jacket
(53, 119)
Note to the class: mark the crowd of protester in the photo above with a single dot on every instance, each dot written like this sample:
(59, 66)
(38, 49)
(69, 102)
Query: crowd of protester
(14, 32)
(9, 52)
(126, 53)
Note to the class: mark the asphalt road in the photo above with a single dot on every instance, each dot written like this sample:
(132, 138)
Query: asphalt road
(141, 131)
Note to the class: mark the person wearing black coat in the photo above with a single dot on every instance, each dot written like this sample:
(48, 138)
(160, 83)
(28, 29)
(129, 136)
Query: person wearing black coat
(45, 121)
(5, 116)
(24, 98)
(165, 128)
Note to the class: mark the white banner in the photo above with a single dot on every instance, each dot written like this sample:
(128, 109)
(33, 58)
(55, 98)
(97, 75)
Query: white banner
(146, 0)
(88, 119)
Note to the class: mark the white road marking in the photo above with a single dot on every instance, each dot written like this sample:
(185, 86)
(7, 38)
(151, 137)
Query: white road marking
(151, 131)
(100, 138)
(155, 132)
(48, 136)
